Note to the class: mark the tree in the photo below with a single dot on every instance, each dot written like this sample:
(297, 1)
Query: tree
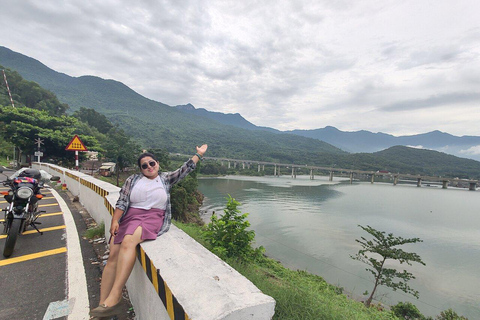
(407, 311)
(228, 234)
(22, 125)
(94, 119)
(121, 149)
(450, 315)
(385, 246)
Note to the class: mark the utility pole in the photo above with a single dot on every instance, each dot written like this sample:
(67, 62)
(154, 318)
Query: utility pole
(8, 89)
(13, 105)
(38, 153)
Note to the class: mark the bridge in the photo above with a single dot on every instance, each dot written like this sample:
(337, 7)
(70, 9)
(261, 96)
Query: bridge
(350, 173)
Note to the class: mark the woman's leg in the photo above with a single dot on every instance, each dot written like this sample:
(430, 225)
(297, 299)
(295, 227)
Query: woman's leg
(108, 275)
(125, 261)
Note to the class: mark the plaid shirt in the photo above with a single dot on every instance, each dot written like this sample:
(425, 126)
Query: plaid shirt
(168, 179)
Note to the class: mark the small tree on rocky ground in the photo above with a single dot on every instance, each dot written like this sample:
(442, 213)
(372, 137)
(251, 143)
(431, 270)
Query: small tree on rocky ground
(385, 246)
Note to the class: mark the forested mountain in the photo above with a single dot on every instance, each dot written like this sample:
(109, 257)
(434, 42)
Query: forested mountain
(156, 125)
(366, 141)
(37, 113)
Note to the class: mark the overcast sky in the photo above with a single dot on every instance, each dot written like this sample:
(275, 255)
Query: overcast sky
(399, 67)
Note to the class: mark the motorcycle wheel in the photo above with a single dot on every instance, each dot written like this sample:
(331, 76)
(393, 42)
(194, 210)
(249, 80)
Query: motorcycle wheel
(12, 237)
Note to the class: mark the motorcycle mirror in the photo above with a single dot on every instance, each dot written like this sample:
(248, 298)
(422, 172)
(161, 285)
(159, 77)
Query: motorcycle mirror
(55, 178)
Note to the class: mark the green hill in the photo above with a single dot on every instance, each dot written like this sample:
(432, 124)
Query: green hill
(157, 125)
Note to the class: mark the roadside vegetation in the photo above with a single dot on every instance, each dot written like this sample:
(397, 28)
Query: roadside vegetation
(97, 231)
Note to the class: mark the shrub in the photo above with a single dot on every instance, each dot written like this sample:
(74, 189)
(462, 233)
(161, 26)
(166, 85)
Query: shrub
(450, 315)
(407, 311)
(228, 235)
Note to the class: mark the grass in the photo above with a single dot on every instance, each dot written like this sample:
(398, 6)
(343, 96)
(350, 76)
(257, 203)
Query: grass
(298, 294)
(95, 232)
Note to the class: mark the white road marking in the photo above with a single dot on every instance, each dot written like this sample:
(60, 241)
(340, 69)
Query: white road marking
(77, 282)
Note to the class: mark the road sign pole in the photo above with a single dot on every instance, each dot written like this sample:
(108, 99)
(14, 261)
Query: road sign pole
(76, 160)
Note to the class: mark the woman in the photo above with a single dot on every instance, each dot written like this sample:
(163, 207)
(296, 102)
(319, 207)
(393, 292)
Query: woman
(142, 213)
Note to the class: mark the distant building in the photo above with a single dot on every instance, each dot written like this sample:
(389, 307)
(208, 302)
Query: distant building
(92, 155)
(107, 169)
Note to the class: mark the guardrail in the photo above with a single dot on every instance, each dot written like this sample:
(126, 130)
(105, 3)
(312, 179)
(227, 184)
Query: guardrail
(174, 277)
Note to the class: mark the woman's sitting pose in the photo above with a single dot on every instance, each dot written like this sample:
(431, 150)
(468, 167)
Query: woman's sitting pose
(142, 212)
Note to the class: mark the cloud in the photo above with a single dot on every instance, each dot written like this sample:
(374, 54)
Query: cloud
(475, 150)
(433, 101)
(284, 64)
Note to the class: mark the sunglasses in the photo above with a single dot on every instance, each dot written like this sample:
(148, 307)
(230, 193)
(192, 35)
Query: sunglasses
(151, 163)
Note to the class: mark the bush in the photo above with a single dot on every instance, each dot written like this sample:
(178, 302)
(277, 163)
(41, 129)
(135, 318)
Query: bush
(95, 232)
(450, 315)
(407, 311)
(228, 235)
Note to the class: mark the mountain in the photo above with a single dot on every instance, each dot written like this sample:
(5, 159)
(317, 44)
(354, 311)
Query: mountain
(119, 102)
(233, 119)
(366, 141)
(157, 125)
(361, 141)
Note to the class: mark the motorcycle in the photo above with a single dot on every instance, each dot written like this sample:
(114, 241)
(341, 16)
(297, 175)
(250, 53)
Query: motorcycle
(22, 211)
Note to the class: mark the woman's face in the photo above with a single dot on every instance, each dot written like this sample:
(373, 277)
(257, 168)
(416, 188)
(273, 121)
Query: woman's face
(148, 170)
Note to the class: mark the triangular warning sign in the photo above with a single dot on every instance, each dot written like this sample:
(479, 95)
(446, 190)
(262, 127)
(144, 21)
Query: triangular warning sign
(76, 145)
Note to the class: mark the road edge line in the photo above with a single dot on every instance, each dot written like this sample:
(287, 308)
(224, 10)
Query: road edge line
(77, 281)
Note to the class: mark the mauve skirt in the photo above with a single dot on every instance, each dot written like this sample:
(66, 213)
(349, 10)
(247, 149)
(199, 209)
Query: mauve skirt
(151, 222)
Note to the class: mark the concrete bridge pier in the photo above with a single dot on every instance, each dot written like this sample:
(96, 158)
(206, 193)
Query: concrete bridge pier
(473, 186)
(275, 171)
(258, 168)
(243, 165)
(228, 164)
(311, 174)
(351, 177)
(419, 182)
(235, 165)
(373, 178)
(294, 174)
(331, 176)
(395, 180)
(444, 184)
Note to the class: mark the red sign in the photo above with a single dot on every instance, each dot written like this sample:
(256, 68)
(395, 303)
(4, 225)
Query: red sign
(76, 145)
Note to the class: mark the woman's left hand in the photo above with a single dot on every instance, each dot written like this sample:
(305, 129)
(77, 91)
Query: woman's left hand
(201, 150)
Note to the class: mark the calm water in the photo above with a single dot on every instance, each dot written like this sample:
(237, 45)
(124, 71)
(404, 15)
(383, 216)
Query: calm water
(312, 225)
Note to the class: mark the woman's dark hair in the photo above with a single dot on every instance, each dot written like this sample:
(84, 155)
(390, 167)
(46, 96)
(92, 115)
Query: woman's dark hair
(146, 154)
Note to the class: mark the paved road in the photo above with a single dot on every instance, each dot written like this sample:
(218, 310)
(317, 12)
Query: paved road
(34, 283)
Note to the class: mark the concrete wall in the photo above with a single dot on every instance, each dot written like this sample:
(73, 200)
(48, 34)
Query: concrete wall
(174, 276)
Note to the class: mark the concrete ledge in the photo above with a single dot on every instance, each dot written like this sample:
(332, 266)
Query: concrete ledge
(174, 277)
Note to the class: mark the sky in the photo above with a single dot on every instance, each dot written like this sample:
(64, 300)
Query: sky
(398, 67)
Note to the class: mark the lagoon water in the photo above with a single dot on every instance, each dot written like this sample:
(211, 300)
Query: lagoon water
(312, 225)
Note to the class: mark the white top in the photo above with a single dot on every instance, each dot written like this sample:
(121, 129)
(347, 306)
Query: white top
(149, 193)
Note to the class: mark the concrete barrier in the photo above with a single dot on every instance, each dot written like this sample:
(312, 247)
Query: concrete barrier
(174, 277)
